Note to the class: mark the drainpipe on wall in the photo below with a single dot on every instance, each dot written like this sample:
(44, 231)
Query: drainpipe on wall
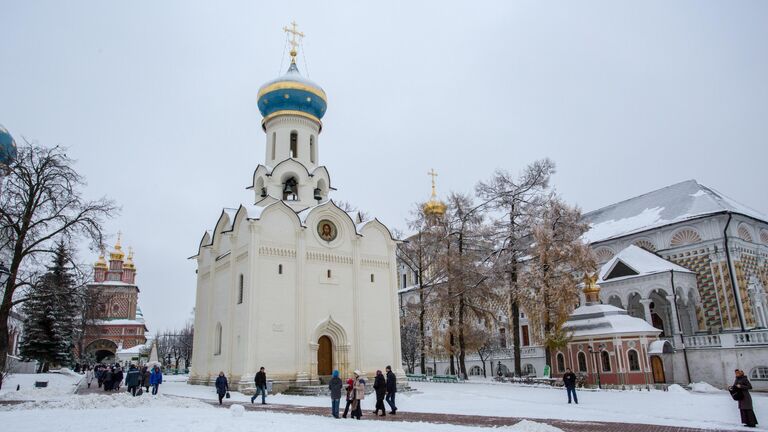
(679, 324)
(732, 274)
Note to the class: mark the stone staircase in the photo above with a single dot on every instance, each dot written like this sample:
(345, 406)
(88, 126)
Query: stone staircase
(310, 390)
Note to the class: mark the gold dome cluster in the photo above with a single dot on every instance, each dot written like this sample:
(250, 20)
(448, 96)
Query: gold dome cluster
(434, 207)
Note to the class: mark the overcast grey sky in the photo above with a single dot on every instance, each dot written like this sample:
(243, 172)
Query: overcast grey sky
(157, 102)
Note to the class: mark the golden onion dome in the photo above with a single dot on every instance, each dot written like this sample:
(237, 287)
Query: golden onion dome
(117, 254)
(434, 207)
(101, 262)
(129, 262)
(591, 289)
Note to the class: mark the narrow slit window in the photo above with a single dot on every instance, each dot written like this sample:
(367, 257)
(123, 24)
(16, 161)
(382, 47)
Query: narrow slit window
(240, 291)
(329, 273)
(294, 144)
(372, 278)
(279, 269)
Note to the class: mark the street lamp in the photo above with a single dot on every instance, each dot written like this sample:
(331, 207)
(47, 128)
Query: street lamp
(597, 359)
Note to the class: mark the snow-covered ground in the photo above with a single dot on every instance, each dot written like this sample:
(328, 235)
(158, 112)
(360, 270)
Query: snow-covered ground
(710, 408)
(60, 385)
(123, 413)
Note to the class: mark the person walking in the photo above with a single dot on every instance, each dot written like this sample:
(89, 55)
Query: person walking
(89, 375)
(391, 390)
(335, 386)
(350, 390)
(222, 386)
(380, 387)
(740, 392)
(132, 379)
(117, 378)
(155, 379)
(569, 380)
(358, 396)
(108, 372)
(99, 374)
(261, 385)
(145, 374)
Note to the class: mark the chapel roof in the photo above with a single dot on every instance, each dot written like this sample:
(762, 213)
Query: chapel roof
(639, 261)
(672, 204)
(605, 319)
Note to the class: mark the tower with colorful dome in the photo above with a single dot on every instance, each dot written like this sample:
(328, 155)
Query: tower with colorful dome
(118, 330)
(288, 280)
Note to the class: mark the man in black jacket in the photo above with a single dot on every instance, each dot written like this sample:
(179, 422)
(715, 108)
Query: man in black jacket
(569, 380)
(261, 386)
(391, 390)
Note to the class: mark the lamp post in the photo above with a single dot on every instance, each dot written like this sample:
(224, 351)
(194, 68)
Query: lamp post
(596, 355)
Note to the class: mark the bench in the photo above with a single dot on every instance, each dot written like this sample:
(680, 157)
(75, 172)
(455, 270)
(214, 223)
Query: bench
(416, 377)
(41, 384)
(445, 378)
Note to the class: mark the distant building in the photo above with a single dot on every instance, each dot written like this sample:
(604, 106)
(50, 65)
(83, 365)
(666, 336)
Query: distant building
(119, 330)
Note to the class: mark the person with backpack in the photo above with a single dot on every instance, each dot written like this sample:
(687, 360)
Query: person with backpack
(335, 387)
(132, 379)
(740, 392)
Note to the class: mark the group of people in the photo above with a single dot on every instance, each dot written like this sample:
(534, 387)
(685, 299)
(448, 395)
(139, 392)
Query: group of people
(384, 386)
(110, 378)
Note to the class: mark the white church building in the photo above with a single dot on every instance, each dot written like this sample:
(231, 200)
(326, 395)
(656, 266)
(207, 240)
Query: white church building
(288, 280)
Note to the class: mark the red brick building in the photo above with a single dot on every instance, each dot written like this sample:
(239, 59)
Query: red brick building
(120, 326)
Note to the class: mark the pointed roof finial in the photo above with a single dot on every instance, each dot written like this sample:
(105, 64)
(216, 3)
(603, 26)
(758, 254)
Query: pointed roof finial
(294, 43)
(433, 174)
(591, 288)
(434, 207)
(117, 245)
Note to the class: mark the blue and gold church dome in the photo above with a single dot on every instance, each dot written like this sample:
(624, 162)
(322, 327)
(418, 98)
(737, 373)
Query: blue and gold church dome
(292, 94)
(7, 147)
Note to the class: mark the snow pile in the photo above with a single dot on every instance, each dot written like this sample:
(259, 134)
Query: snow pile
(531, 426)
(237, 410)
(677, 389)
(59, 385)
(704, 387)
(99, 401)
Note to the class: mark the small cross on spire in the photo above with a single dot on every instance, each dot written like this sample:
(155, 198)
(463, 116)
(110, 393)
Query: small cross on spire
(433, 174)
(294, 43)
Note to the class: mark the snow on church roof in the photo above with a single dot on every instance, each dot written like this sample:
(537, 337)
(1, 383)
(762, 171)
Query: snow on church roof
(641, 261)
(672, 204)
(604, 319)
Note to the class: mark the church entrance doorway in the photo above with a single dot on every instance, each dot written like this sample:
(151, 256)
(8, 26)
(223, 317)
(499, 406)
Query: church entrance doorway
(657, 367)
(324, 356)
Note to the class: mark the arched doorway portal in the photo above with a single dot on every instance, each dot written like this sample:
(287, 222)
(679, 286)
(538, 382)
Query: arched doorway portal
(101, 350)
(324, 356)
(657, 367)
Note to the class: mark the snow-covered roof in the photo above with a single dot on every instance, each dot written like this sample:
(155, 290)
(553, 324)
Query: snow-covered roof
(112, 283)
(121, 322)
(672, 204)
(641, 261)
(604, 319)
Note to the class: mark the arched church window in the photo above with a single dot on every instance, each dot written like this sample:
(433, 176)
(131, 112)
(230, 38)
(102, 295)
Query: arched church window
(240, 290)
(606, 361)
(279, 269)
(217, 340)
(582, 359)
(312, 148)
(634, 360)
(560, 362)
(274, 144)
(294, 144)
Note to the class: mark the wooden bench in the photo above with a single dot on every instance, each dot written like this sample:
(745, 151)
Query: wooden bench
(445, 378)
(416, 377)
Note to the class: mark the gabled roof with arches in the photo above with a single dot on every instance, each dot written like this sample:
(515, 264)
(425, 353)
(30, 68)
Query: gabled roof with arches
(669, 205)
(634, 261)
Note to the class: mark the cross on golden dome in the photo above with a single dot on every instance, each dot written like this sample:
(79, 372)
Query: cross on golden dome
(433, 174)
(294, 43)
(434, 207)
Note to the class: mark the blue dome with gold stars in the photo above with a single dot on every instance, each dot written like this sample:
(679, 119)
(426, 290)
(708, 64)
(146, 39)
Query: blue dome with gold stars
(7, 147)
(292, 94)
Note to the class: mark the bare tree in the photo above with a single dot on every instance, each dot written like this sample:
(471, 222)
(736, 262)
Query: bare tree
(424, 254)
(410, 341)
(185, 342)
(41, 201)
(515, 201)
(486, 346)
(558, 261)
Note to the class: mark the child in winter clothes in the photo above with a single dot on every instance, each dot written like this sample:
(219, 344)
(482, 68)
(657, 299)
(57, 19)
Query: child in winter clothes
(350, 395)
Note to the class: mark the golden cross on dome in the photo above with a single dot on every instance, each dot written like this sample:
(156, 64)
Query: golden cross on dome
(433, 174)
(294, 43)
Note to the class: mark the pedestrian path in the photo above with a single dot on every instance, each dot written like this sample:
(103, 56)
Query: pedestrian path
(454, 419)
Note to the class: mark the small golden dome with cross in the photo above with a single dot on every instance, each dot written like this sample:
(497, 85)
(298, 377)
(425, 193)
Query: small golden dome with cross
(117, 254)
(434, 207)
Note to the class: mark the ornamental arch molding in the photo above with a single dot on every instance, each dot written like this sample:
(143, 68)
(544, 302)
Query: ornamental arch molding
(340, 346)
(764, 236)
(646, 244)
(744, 232)
(684, 236)
(604, 253)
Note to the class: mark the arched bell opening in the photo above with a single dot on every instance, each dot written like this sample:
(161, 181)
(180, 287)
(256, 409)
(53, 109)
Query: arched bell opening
(291, 189)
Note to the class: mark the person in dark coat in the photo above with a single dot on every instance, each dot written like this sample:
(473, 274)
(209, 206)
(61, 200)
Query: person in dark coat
(740, 392)
(391, 390)
(155, 379)
(117, 378)
(145, 375)
(350, 389)
(335, 386)
(107, 378)
(132, 379)
(380, 386)
(222, 386)
(99, 371)
(569, 381)
(261, 385)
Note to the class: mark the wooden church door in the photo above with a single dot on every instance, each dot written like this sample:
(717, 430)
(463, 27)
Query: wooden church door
(657, 366)
(324, 356)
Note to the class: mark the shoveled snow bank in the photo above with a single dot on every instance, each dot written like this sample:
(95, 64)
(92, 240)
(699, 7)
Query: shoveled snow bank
(210, 419)
(677, 389)
(60, 384)
(703, 387)
(117, 400)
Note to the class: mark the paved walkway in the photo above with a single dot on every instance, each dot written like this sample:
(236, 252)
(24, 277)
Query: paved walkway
(455, 419)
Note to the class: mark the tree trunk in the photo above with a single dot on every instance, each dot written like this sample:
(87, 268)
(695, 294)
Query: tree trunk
(462, 342)
(422, 333)
(4, 334)
(515, 308)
